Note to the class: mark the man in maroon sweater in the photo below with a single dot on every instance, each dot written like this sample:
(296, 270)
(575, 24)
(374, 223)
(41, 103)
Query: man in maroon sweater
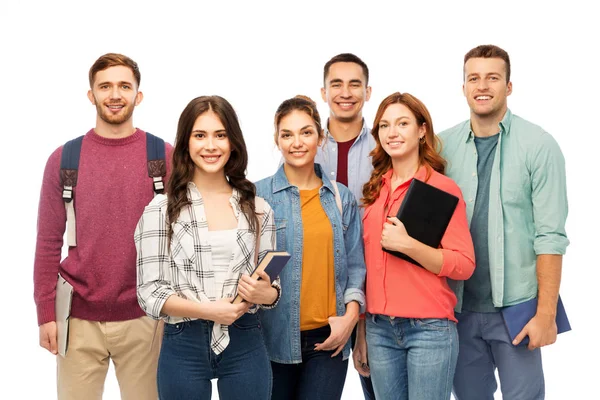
(113, 187)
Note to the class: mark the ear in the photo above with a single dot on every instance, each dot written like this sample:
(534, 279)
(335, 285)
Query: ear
(422, 130)
(138, 98)
(464, 90)
(509, 88)
(324, 94)
(91, 97)
(368, 93)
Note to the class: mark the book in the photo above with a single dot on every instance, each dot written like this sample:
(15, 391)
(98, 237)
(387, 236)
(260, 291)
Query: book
(425, 212)
(62, 305)
(272, 263)
(517, 316)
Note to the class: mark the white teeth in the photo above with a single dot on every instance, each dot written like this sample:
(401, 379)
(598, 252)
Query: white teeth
(483, 98)
(346, 104)
(211, 159)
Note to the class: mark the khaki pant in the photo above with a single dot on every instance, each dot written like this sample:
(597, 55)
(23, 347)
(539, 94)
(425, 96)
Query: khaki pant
(133, 347)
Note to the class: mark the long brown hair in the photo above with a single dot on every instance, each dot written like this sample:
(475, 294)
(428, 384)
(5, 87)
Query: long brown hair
(382, 162)
(235, 168)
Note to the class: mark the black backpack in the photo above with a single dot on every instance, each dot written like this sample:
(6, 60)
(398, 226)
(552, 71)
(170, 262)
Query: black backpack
(69, 164)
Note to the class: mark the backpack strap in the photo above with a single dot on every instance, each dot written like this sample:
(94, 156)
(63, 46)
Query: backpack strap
(157, 166)
(338, 198)
(69, 164)
(259, 207)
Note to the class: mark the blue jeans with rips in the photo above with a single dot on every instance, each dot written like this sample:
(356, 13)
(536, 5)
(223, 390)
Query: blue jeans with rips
(411, 358)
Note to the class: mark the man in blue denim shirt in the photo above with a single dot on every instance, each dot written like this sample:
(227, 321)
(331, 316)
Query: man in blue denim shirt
(348, 140)
(512, 174)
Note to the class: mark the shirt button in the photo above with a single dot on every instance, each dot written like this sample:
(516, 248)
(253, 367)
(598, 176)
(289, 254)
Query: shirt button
(474, 174)
(333, 149)
(332, 173)
(470, 200)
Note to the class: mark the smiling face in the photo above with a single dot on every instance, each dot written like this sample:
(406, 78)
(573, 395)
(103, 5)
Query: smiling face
(298, 139)
(209, 145)
(115, 95)
(346, 91)
(399, 132)
(486, 87)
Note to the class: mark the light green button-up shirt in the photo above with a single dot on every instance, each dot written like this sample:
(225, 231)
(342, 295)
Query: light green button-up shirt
(528, 202)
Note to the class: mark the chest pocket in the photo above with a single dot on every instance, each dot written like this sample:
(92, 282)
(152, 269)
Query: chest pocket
(280, 225)
(182, 244)
(515, 184)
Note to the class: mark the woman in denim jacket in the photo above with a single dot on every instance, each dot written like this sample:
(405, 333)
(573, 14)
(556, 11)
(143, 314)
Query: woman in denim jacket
(307, 335)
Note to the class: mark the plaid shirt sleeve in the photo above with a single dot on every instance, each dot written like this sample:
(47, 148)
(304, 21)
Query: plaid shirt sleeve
(153, 272)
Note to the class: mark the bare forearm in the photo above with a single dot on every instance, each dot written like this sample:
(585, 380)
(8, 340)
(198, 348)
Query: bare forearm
(549, 270)
(352, 310)
(176, 306)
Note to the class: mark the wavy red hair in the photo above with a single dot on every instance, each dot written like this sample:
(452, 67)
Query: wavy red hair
(429, 155)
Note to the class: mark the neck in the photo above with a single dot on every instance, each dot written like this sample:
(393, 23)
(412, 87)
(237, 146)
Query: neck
(344, 131)
(114, 131)
(211, 183)
(404, 168)
(486, 126)
(304, 178)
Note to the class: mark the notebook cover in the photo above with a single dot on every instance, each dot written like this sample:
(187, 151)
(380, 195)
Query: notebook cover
(425, 212)
(64, 296)
(275, 261)
(517, 316)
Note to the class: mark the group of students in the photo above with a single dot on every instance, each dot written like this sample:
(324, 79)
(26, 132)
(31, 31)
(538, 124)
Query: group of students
(180, 257)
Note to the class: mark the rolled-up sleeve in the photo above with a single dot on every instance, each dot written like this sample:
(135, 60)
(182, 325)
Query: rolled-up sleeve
(549, 197)
(154, 283)
(457, 245)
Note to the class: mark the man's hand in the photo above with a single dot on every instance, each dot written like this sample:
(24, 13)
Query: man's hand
(48, 337)
(541, 330)
(359, 354)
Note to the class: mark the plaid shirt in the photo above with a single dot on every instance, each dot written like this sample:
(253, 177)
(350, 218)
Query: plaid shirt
(185, 269)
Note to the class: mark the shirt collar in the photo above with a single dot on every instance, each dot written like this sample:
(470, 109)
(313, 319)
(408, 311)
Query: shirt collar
(504, 125)
(421, 175)
(363, 132)
(280, 180)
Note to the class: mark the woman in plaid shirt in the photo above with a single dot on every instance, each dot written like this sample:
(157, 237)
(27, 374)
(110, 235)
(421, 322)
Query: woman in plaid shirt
(194, 246)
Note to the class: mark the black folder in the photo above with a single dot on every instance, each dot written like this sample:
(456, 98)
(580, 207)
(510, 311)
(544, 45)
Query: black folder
(425, 212)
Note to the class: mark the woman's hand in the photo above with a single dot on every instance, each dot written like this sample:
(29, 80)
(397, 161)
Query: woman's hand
(224, 312)
(257, 291)
(394, 236)
(341, 329)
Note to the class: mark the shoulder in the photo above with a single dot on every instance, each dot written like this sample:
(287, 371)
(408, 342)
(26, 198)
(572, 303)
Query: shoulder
(158, 204)
(529, 133)
(454, 132)
(345, 193)
(264, 186)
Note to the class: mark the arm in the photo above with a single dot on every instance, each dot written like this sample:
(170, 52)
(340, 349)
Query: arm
(50, 230)
(456, 258)
(262, 292)
(354, 296)
(549, 199)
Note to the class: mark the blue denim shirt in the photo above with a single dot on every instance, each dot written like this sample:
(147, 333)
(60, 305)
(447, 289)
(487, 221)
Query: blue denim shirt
(359, 161)
(282, 324)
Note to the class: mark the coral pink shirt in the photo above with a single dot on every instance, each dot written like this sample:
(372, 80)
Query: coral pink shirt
(398, 288)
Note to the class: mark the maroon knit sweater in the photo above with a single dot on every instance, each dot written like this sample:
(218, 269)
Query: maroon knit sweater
(112, 190)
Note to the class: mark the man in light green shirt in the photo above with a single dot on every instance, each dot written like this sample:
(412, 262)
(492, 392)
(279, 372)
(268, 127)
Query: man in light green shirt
(512, 175)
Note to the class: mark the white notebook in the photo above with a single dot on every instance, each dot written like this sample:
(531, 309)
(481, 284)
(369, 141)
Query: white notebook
(64, 295)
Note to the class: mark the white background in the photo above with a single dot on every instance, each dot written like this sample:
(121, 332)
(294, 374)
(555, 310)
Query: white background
(257, 54)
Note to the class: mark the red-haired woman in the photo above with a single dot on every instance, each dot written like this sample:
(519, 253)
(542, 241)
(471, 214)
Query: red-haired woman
(410, 325)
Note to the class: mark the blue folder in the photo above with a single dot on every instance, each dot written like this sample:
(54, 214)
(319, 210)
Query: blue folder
(517, 316)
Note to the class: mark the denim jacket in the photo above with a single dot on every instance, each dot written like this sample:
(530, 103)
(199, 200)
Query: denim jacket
(282, 324)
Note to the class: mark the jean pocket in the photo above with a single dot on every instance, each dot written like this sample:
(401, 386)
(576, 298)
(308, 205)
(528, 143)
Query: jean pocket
(247, 322)
(432, 324)
(174, 329)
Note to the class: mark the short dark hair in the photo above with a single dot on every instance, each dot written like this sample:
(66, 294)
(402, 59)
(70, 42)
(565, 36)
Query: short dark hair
(346, 57)
(489, 51)
(113, 60)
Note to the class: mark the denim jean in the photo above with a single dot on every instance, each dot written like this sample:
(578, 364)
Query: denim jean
(317, 377)
(187, 364)
(484, 346)
(411, 358)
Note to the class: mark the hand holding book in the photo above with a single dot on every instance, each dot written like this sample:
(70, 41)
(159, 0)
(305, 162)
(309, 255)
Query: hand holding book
(257, 291)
